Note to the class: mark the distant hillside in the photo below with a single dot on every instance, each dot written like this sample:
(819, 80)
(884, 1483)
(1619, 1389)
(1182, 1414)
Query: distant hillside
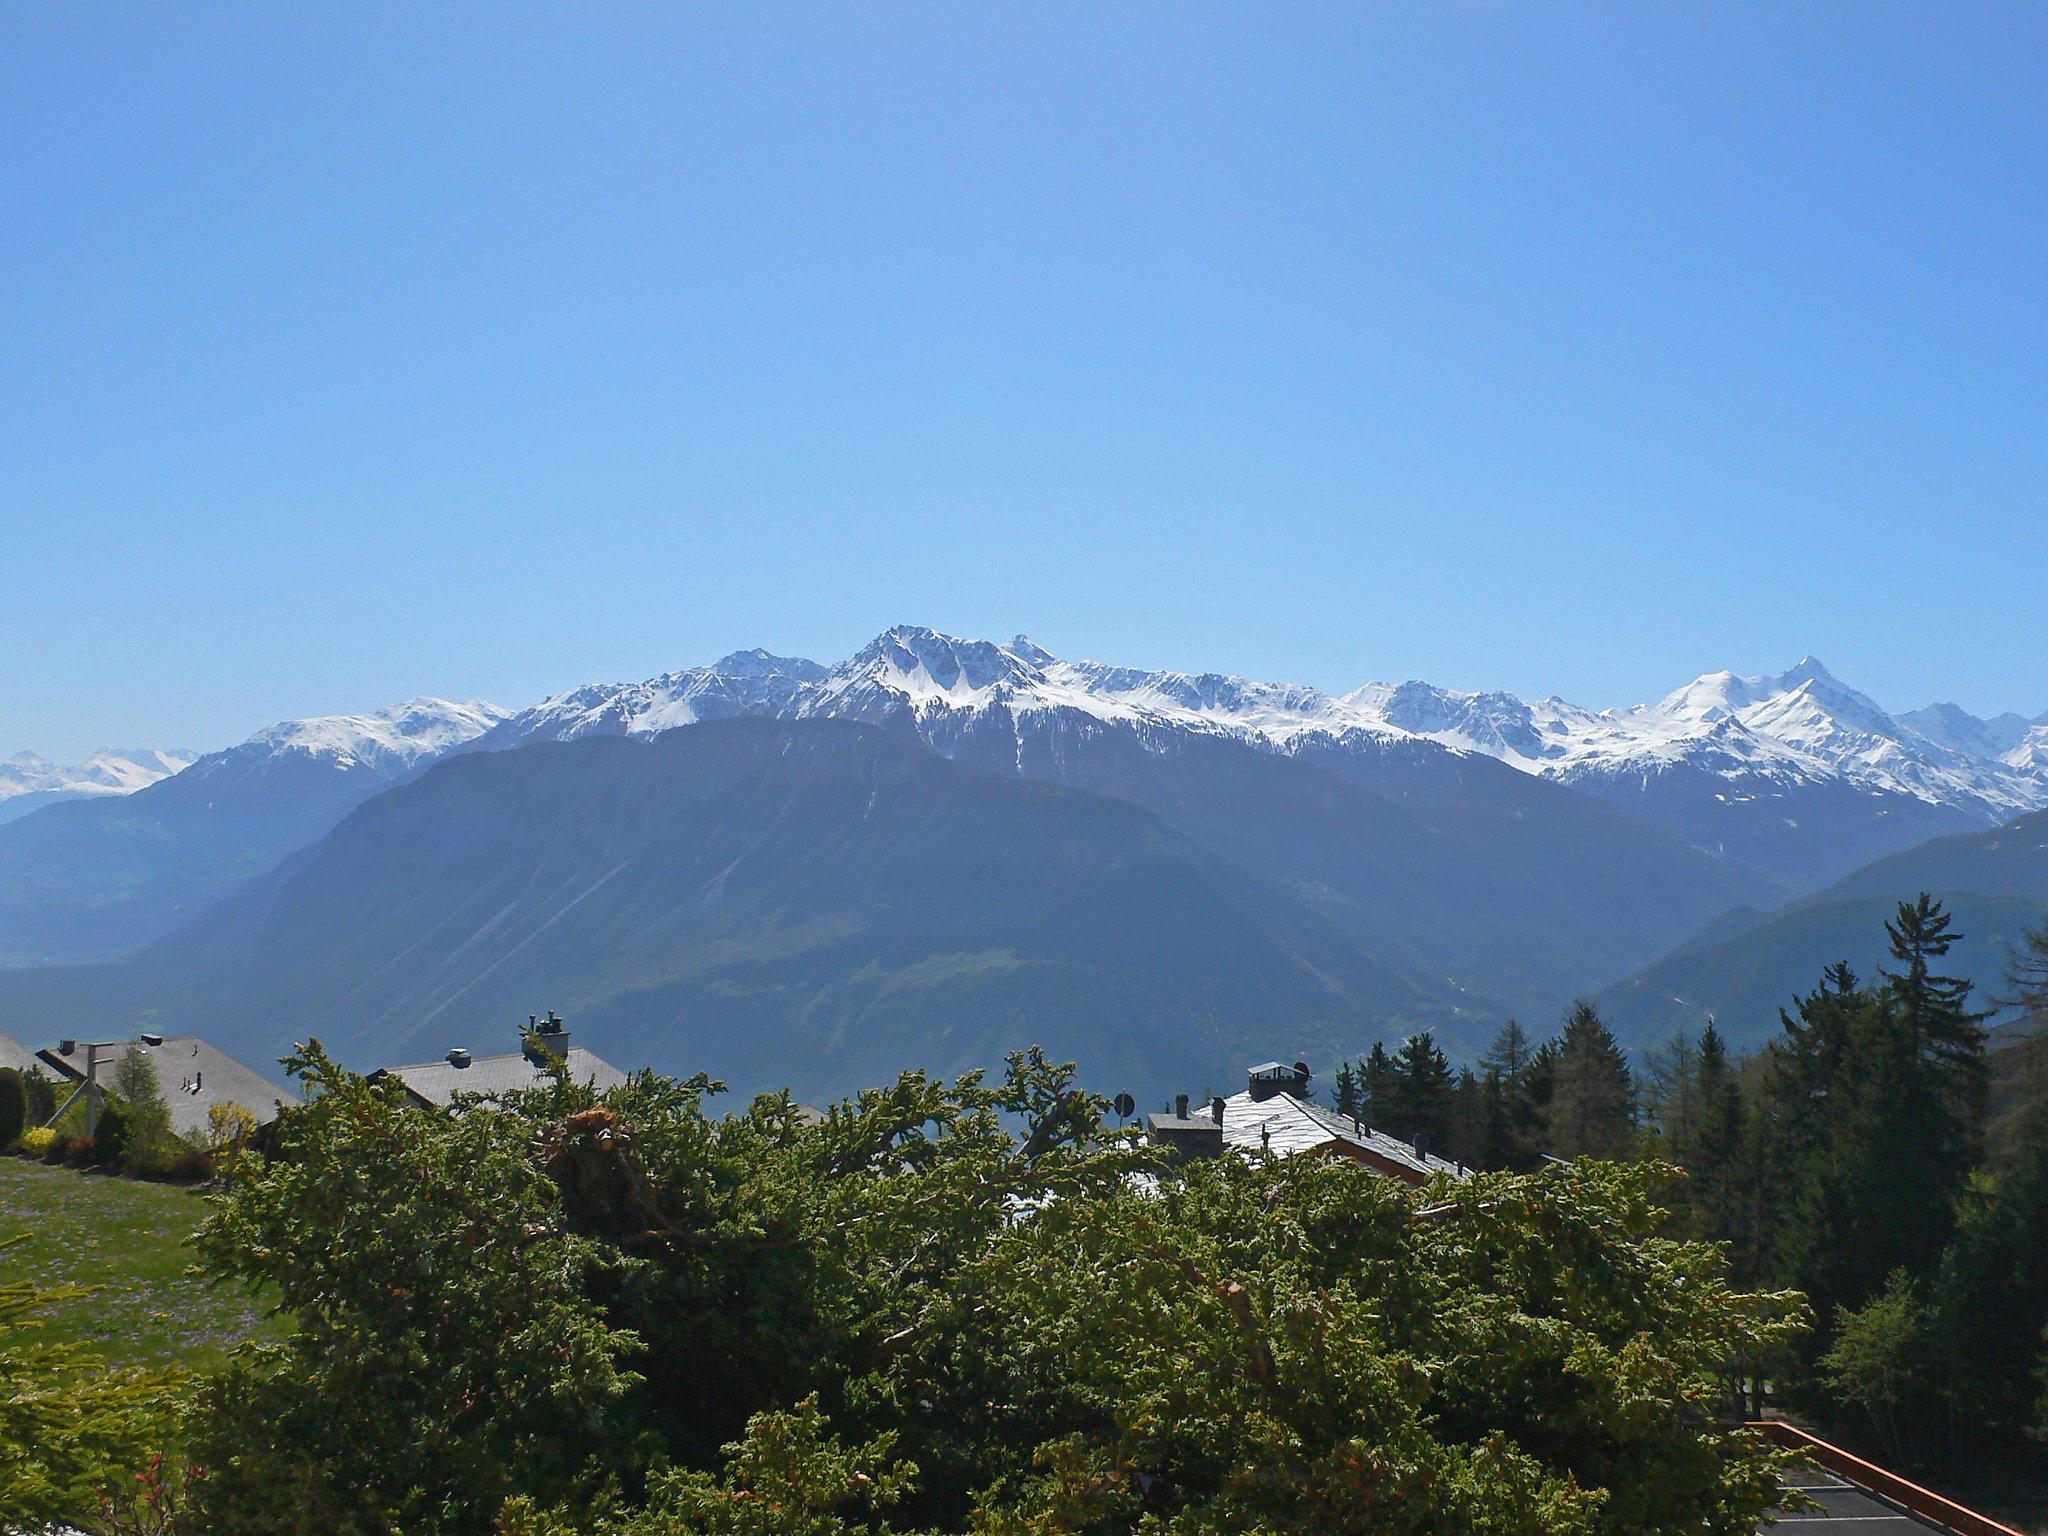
(89, 878)
(1995, 882)
(815, 903)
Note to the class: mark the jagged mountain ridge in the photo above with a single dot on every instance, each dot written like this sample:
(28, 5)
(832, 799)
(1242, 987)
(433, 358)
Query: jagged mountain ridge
(1797, 776)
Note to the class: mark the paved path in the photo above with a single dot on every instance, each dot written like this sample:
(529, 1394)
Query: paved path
(1845, 1511)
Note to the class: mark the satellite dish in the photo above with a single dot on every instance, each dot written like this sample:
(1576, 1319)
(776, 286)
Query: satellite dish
(1123, 1104)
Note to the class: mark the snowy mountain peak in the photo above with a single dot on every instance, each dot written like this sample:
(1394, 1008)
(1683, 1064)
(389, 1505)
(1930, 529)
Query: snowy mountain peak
(398, 736)
(758, 663)
(109, 771)
(922, 663)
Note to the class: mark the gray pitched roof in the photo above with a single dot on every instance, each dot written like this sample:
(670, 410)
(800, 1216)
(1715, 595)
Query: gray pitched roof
(437, 1082)
(16, 1055)
(193, 1077)
(1284, 1125)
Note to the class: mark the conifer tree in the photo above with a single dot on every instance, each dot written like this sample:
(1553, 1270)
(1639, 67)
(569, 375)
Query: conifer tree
(1513, 1115)
(1592, 1102)
(1421, 1089)
(1945, 1034)
(1376, 1085)
(1348, 1101)
(1467, 1140)
(2026, 977)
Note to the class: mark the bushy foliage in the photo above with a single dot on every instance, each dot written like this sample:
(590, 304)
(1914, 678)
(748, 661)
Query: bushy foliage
(37, 1141)
(969, 1305)
(13, 1107)
(228, 1125)
(71, 1430)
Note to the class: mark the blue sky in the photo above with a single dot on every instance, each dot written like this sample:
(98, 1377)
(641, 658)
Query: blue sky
(349, 353)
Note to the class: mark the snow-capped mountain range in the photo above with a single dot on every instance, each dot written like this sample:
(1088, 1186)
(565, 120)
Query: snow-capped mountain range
(1801, 724)
(1737, 764)
(28, 781)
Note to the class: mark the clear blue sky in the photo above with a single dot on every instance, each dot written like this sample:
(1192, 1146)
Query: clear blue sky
(486, 350)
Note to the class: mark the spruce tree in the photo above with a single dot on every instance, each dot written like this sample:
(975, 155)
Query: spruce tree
(1348, 1100)
(1946, 1035)
(1467, 1140)
(1592, 1103)
(1376, 1085)
(1514, 1117)
(1421, 1089)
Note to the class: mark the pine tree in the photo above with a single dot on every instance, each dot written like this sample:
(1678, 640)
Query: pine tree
(1348, 1099)
(1514, 1118)
(1376, 1085)
(1592, 1105)
(1946, 1034)
(1467, 1139)
(2026, 977)
(1670, 1096)
(1509, 1054)
(1420, 1090)
(1713, 1156)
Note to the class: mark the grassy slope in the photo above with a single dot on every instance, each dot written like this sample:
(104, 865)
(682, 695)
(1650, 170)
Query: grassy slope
(128, 1239)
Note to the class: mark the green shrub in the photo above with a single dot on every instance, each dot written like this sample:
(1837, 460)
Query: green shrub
(58, 1147)
(111, 1139)
(189, 1165)
(13, 1106)
(42, 1096)
(36, 1141)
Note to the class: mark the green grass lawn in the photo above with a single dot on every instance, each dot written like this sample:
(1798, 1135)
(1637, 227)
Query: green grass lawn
(126, 1238)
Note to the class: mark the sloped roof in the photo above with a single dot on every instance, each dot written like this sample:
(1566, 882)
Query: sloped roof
(437, 1082)
(16, 1055)
(192, 1075)
(1285, 1125)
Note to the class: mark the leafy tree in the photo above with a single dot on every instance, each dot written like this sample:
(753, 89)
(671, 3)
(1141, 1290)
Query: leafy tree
(1592, 1102)
(71, 1428)
(13, 1107)
(1879, 1362)
(149, 1141)
(42, 1096)
(227, 1125)
(956, 1304)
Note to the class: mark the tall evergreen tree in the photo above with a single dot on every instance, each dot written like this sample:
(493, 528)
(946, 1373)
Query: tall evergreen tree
(1348, 1099)
(1592, 1102)
(1467, 1139)
(1420, 1092)
(1946, 1035)
(1376, 1085)
(2026, 977)
(1514, 1129)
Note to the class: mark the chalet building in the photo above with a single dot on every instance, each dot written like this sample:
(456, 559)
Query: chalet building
(434, 1084)
(192, 1076)
(1275, 1117)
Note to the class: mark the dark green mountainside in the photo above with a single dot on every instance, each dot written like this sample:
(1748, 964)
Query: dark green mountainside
(1741, 973)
